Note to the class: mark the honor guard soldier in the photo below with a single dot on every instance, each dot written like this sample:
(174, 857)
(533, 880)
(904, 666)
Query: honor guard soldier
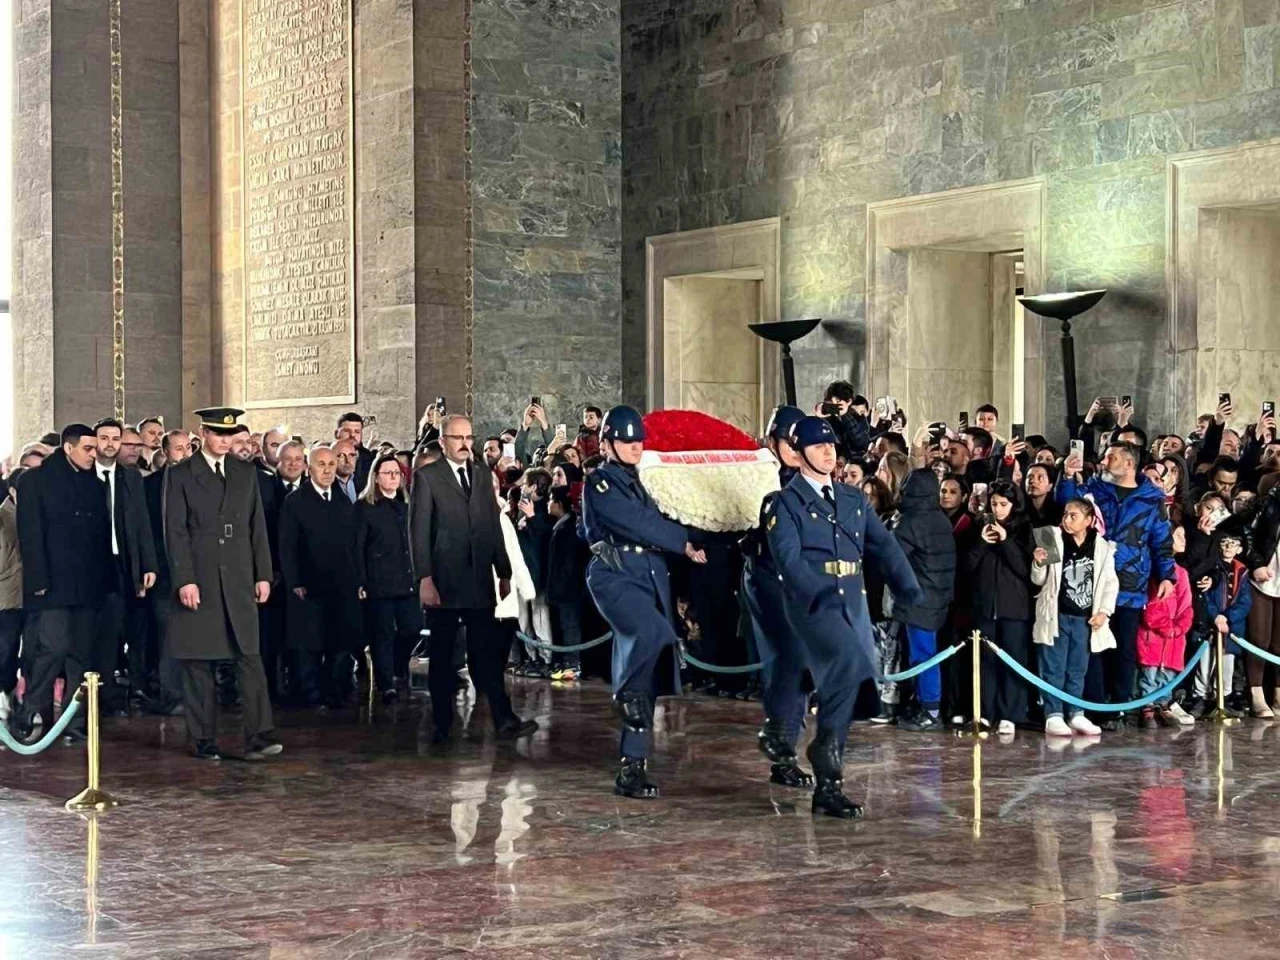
(220, 568)
(820, 532)
(782, 656)
(628, 579)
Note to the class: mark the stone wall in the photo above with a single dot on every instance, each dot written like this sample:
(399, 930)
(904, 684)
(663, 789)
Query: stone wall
(546, 130)
(811, 109)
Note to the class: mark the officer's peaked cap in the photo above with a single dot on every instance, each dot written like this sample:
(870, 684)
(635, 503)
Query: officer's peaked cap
(811, 431)
(622, 424)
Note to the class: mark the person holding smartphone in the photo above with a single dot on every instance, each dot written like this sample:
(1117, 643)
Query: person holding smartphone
(535, 432)
(1133, 511)
(1000, 565)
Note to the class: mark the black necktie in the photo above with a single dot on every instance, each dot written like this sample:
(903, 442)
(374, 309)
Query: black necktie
(829, 495)
(217, 470)
(466, 483)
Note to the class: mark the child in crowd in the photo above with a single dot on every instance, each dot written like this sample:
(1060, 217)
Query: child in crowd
(1078, 594)
(567, 558)
(1162, 642)
(1227, 599)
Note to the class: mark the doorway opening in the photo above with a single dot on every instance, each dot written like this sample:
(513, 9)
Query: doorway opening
(711, 361)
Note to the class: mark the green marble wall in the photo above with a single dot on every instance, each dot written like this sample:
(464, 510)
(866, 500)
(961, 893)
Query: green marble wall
(811, 109)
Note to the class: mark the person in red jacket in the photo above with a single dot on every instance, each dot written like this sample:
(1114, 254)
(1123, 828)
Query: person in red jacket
(1162, 643)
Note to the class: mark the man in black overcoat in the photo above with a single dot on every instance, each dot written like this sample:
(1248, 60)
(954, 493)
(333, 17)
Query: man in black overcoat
(317, 558)
(220, 565)
(458, 549)
(64, 536)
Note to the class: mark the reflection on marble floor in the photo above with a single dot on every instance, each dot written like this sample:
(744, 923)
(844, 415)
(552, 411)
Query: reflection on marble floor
(364, 842)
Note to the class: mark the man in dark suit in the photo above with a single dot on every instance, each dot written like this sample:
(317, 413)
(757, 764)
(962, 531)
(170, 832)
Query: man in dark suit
(317, 557)
(124, 611)
(164, 679)
(458, 548)
(351, 427)
(271, 613)
(220, 563)
(64, 536)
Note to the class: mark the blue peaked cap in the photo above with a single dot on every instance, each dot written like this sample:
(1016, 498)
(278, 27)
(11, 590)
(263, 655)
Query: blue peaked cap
(811, 431)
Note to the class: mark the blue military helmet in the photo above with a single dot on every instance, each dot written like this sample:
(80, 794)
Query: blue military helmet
(783, 419)
(622, 424)
(811, 431)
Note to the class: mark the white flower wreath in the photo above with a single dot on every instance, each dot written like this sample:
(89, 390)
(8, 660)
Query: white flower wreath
(718, 491)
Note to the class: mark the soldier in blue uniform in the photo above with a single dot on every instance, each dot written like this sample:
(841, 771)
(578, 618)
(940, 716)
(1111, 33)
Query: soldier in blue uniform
(782, 655)
(820, 532)
(628, 579)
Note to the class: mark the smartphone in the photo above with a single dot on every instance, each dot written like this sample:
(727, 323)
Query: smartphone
(987, 519)
(1268, 408)
(1077, 448)
(562, 429)
(440, 405)
(980, 491)
(830, 410)
(1126, 400)
(1108, 403)
(536, 401)
(1019, 431)
(509, 451)
(1224, 398)
(964, 419)
(937, 430)
(882, 408)
(892, 404)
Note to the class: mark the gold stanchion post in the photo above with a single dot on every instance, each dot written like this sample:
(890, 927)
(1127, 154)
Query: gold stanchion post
(1220, 715)
(91, 880)
(975, 726)
(92, 797)
(977, 789)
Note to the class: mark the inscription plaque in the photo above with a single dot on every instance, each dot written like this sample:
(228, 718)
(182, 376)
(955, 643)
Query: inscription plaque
(297, 193)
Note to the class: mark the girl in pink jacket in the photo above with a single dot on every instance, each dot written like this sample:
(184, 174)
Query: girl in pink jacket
(1162, 644)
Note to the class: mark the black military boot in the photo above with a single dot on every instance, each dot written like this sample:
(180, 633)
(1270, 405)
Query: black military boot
(775, 745)
(826, 753)
(635, 710)
(633, 781)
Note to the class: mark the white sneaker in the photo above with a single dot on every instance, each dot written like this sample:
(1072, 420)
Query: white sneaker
(1181, 715)
(5, 707)
(1082, 724)
(1005, 728)
(1057, 727)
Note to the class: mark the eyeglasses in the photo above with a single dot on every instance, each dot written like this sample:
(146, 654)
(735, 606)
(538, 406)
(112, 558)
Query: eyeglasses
(389, 473)
(470, 437)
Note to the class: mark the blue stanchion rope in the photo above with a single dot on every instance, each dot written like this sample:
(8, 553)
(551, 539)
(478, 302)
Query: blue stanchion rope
(41, 745)
(572, 648)
(1256, 651)
(1065, 697)
(920, 668)
(693, 661)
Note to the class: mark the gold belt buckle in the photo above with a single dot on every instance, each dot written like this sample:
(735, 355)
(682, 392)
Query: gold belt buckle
(841, 568)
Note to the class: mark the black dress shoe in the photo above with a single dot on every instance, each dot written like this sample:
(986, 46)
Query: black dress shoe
(515, 728)
(206, 750)
(774, 742)
(633, 781)
(790, 775)
(826, 753)
(74, 735)
(262, 746)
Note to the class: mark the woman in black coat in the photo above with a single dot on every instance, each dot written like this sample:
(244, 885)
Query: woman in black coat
(384, 567)
(1000, 565)
(924, 533)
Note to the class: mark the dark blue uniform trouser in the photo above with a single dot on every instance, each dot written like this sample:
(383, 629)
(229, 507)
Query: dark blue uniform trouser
(782, 655)
(841, 658)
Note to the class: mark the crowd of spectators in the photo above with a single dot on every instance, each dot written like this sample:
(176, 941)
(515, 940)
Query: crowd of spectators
(1100, 566)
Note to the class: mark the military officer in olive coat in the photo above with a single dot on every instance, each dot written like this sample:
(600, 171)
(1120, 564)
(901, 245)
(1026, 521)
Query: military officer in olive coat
(220, 566)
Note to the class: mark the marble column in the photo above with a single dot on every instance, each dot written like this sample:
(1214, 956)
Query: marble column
(62, 300)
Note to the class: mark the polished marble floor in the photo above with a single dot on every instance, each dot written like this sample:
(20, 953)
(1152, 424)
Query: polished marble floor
(361, 841)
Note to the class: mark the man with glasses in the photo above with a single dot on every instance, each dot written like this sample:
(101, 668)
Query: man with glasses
(458, 550)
